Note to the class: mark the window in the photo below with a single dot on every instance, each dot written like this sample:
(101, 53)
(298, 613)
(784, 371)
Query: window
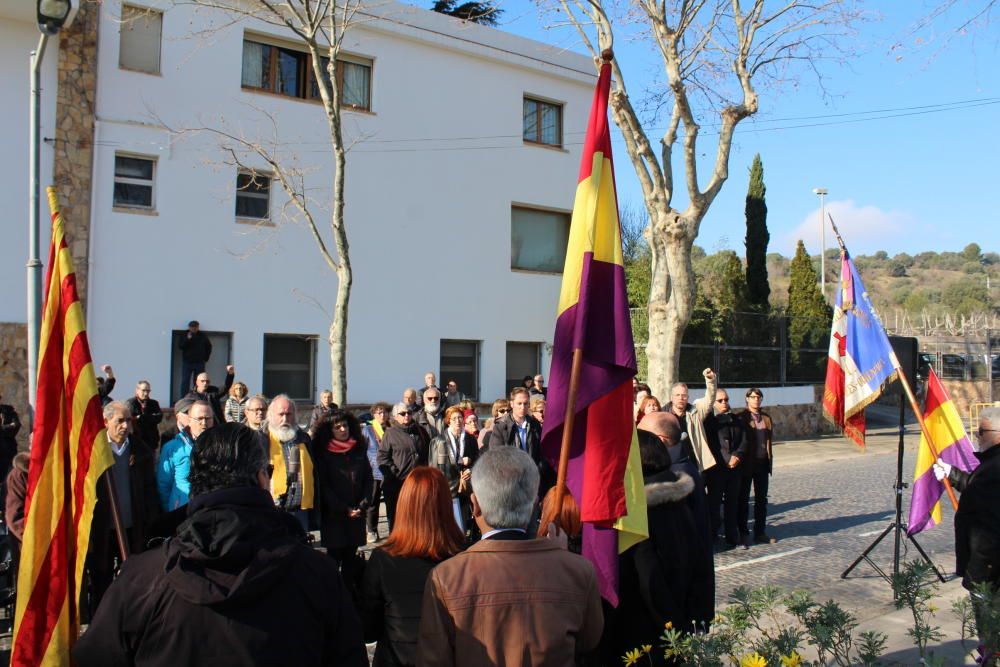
(253, 195)
(542, 122)
(134, 181)
(523, 359)
(285, 71)
(289, 366)
(538, 239)
(460, 362)
(139, 46)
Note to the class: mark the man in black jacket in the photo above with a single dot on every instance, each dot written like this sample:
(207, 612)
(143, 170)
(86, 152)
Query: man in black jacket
(977, 529)
(236, 585)
(728, 441)
(196, 350)
(146, 413)
(519, 429)
(204, 390)
(10, 424)
(403, 448)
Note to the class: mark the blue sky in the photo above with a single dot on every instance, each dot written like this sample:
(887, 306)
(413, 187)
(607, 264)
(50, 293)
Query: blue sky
(924, 179)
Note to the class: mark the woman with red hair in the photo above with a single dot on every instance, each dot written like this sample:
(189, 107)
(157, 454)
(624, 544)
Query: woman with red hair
(424, 534)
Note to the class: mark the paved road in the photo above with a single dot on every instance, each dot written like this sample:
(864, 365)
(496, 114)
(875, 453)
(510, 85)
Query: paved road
(828, 502)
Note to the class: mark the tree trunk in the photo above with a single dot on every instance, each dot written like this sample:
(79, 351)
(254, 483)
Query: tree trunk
(672, 296)
(345, 276)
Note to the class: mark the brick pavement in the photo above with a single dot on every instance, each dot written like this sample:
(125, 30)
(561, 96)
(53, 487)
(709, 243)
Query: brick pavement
(828, 501)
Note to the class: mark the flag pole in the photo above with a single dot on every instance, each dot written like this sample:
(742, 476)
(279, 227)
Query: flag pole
(567, 434)
(116, 517)
(910, 396)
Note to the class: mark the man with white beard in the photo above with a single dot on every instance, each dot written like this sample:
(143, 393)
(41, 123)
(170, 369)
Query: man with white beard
(431, 417)
(289, 453)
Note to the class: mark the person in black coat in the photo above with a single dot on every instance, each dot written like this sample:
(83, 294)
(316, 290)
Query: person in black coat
(977, 526)
(403, 448)
(727, 439)
(204, 390)
(393, 588)
(10, 424)
(147, 414)
(669, 577)
(237, 585)
(344, 484)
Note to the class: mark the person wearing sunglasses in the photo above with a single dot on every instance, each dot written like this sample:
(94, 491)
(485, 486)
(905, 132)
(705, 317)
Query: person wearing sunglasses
(728, 442)
(431, 417)
(403, 448)
(977, 526)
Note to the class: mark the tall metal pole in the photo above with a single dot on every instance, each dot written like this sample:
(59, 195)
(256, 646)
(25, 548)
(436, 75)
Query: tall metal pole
(34, 266)
(822, 192)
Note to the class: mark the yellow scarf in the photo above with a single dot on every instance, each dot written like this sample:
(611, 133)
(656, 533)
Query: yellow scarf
(279, 478)
(377, 427)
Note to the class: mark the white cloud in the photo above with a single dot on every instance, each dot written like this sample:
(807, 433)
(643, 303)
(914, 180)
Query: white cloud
(865, 229)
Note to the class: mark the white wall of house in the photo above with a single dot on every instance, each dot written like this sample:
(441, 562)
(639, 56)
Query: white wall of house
(18, 37)
(432, 174)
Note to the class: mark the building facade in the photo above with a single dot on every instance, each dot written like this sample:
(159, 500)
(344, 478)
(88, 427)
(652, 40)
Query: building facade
(464, 147)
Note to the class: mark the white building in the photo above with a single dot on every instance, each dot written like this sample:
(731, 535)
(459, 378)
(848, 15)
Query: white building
(458, 200)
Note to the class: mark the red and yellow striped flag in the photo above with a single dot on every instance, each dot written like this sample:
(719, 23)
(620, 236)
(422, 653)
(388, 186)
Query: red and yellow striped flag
(69, 451)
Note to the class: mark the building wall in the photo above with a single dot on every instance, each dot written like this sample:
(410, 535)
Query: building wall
(428, 214)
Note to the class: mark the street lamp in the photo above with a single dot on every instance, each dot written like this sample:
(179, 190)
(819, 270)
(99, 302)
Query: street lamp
(822, 192)
(51, 15)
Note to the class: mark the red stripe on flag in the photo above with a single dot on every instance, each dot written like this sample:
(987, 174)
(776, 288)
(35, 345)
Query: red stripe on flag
(45, 604)
(936, 394)
(607, 445)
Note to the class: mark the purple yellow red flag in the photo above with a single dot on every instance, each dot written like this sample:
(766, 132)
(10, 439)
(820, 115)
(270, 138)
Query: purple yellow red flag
(604, 475)
(861, 362)
(69, 451)
(948, 435)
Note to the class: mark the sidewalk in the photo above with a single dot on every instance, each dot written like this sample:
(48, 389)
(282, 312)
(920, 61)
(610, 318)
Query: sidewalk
(884, 617)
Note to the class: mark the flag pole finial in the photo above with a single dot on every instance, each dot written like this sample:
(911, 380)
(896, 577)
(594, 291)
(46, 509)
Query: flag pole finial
(607, 55)
(840, 241)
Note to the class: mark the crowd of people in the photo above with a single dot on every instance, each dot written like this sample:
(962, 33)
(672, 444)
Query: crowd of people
(478, 565)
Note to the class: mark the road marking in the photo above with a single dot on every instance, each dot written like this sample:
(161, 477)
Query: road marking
(871, 532)
(762, 559)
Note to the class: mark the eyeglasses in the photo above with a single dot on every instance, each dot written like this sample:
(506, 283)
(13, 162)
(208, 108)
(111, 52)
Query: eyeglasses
(431, 399)
(503, 411)
(722, 400)
(254, 410)
(988, 430)
(404, 413)
(203, 420)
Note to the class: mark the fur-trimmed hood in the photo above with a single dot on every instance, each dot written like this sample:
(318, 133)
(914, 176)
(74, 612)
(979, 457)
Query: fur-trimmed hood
(668, 487)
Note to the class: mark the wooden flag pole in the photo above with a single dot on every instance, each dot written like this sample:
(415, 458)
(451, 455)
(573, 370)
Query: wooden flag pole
(116, 517)
(567, 434)
(909, 395)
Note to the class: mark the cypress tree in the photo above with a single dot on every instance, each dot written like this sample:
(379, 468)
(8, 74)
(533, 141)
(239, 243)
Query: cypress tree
(809, 315)
(758, 289)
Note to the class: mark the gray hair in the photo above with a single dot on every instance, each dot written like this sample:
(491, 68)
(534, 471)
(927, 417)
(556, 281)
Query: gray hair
(259, 399)
(116, 406)
(399, 407)
(675, 385)
(992, 418)
(285, 397)
(505, 480)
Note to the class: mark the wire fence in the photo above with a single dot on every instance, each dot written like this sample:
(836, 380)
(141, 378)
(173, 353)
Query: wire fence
(746, 348)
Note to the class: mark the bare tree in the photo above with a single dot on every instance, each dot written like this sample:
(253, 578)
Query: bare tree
(321, 26)
(714, 55)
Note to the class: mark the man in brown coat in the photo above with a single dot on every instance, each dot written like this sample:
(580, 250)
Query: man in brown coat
(509, 599)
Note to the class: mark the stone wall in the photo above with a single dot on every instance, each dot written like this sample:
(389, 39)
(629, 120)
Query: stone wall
(14, 372)
(74, 135)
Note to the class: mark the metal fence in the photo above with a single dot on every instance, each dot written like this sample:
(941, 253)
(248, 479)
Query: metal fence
(746, 349)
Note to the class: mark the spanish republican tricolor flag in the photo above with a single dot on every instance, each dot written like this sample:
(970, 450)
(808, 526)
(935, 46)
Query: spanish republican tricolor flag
(69, 451)
(604, 474)
(945, 426)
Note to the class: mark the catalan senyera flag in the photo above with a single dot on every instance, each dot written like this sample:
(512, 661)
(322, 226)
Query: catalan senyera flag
(948, 435)
(861, 362)
(604, 474)
(69, 451)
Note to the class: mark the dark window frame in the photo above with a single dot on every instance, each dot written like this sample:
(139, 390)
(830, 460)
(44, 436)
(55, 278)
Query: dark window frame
(539, 103)
(566, 218)
(128, 180)
(258, 176)
(305, 77)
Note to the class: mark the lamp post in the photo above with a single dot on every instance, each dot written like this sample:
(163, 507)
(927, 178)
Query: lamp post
(822, 192)
(51, 17)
